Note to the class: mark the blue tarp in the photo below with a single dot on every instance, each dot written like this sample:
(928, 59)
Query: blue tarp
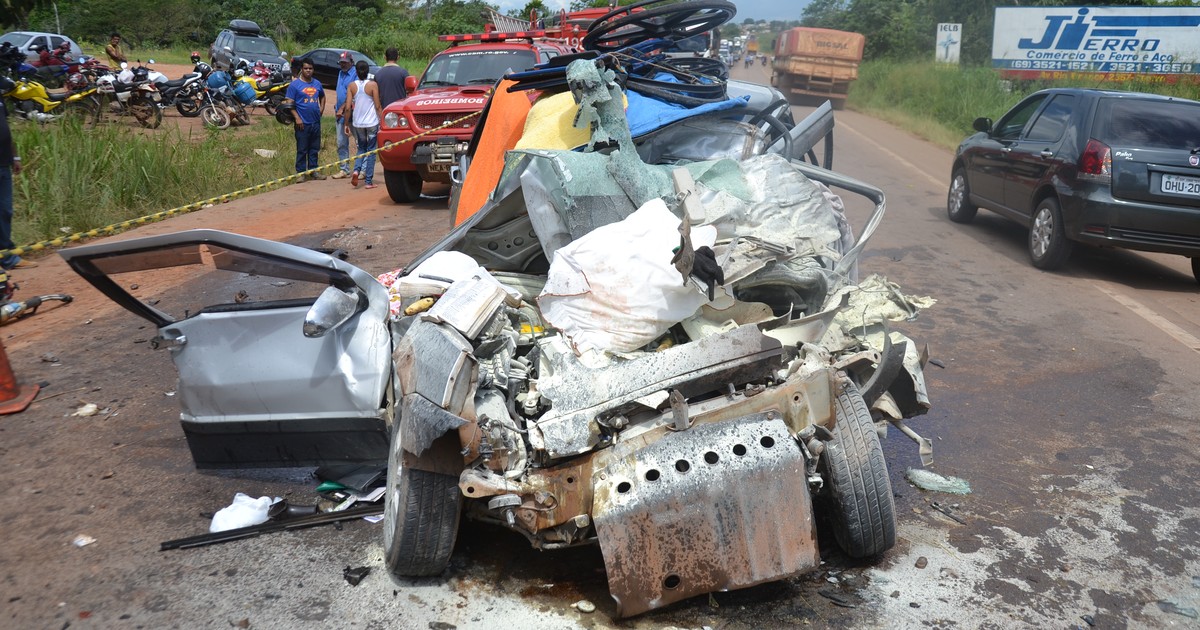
(646, 114)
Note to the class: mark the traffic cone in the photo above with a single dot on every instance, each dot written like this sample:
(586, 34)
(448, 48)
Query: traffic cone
(13, 397)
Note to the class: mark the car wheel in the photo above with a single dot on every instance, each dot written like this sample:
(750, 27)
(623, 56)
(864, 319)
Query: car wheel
(420, 513)
(864, 516)
(1048, 244)
(403, 186)
(958, 201)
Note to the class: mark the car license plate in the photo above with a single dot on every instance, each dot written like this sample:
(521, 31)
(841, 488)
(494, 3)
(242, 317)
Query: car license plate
(1180, 185)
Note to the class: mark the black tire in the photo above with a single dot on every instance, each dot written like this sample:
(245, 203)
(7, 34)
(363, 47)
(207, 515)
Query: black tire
(215, 117)
(84, 111)
(241, 117)
(403, 186)
(958, 201)
(146, 112)
(420, 515)
(1048, 244)
(864, 517)
(189, 104)
(273, 102)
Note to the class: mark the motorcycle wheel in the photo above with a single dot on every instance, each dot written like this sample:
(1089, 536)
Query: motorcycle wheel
(273, 102)
(214, 117)
(242, 117)
(84, 112)
(188, 106)
(421, 512)
(146, 112)
(863, 514)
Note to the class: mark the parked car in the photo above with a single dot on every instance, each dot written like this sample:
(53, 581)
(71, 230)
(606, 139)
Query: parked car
(244, 41)
(1101, 167)
(325, 63)
(27, 40)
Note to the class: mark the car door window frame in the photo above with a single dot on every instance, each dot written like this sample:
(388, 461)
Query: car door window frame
(1005, 128)
(1051, 108)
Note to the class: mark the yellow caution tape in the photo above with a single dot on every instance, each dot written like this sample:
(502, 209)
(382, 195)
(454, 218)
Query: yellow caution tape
(115, 228)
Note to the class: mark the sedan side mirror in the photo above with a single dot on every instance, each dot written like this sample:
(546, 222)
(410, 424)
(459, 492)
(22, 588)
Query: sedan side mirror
(410, 83)
(332, 309)
(982, 124)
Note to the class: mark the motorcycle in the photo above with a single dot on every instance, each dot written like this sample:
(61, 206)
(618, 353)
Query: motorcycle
(223, 106)
(185, 92)
(131, 92)
(268, 93)
(53, 67)
(32, 101)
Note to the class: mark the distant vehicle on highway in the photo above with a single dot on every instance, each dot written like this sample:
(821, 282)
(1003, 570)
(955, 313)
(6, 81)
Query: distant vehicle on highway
(325, 63)
(1101, 167)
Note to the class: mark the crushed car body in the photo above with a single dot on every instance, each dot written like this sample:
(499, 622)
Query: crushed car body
(673, 360)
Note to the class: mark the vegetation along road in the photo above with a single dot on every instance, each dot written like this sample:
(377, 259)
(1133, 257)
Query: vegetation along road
(1067, 401)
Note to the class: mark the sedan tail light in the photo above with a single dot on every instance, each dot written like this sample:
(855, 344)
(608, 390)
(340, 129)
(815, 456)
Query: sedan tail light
(1096, 161)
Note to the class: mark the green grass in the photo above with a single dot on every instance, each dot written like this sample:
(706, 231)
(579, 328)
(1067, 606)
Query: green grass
(939, 102)
(76, 179)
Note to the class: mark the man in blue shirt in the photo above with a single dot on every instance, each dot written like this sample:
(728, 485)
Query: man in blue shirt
(344, 79)
(309, 97)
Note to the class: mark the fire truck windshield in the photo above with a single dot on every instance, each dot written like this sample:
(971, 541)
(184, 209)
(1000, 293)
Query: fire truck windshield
(476, 67)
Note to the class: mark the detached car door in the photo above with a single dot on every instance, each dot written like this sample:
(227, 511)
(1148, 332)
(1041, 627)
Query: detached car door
(253, 389)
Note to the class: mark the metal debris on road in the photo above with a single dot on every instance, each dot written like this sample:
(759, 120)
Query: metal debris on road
(928, 480)
(945, 510)
(355, 575)
(83, 540)
(837, 598)
(1169, 606)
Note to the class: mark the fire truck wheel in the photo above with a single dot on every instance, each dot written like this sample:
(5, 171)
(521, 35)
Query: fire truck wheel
(403, 186)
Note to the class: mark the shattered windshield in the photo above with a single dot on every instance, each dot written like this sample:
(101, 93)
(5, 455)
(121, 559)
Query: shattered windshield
(476, 67)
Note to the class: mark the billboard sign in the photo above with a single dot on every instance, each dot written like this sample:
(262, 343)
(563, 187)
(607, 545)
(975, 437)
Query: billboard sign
(1045, 42)
(949, 41)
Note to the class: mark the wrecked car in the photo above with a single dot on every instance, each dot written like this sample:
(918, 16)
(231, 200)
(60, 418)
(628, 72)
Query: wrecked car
(659, 345)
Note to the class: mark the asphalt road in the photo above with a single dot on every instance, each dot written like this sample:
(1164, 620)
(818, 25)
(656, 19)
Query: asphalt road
(1068, 401)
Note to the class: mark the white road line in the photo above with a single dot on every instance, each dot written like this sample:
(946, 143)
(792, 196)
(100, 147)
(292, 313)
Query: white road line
(934, 180)
(1158, 321)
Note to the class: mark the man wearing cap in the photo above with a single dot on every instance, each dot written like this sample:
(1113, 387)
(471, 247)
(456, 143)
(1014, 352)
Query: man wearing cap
(344, 79)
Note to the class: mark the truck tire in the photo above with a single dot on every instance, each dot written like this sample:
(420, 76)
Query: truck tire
(864, 516)
(403, 186)
(420, 516)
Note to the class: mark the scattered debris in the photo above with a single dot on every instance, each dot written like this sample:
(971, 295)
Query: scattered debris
(584, 606)
(1088, 620)
(133, 287)
(922, 562)
(107, 475)
(245, 511)
(89, 409)
(945, 510)
(83, 540)
(170, 393)
(913, 605)
(266, 153)
(244, 623)
(1196, 581)
(441, 625)
(938, 363)
(49, 357)
(355, 575)
(837, 598)
(1169, 606)
(928, 480)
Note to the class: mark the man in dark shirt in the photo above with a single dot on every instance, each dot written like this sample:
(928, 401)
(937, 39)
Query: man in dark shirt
(10, 164)
(391, 79)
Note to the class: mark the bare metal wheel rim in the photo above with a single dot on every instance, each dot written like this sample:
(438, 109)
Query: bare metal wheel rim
(956, 194)
(1043, 230)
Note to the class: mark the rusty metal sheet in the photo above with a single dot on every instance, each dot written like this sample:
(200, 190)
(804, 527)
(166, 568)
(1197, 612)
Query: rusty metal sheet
(717, 507)
(580, 393)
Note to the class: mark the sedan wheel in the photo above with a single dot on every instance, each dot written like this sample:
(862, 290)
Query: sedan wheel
(958, 201)
(421, 512)
(1048, 244)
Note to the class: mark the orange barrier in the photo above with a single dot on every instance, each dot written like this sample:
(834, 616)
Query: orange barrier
(13, 397)
(505, 124)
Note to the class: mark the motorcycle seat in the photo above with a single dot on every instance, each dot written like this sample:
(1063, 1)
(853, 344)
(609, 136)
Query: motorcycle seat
(55, 96)
(176, 82)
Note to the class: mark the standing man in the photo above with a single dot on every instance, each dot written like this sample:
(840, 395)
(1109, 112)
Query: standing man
(309, 97)
(391, 79)
(10, 164)
(363, 119)
(344, 79)
(114, 52)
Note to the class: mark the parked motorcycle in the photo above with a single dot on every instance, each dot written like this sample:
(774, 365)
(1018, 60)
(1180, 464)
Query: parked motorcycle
(131, 92)
(32, 101)
(223, 105)
(268, 93)
(185, 92)
(54, 66)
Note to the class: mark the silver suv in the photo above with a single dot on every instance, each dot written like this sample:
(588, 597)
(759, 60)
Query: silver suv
(244, 41)
(27, 40)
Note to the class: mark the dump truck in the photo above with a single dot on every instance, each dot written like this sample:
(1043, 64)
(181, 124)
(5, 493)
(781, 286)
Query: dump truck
(816, 64)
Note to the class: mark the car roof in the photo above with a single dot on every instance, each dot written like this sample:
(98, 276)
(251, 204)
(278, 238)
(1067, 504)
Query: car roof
(38, 33)
(1099, 92)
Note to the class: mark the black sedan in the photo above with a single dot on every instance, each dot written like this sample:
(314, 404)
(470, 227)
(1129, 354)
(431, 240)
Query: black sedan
(1106, 168)
(325, 64)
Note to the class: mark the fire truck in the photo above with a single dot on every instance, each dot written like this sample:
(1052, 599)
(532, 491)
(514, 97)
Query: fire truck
(453, 91)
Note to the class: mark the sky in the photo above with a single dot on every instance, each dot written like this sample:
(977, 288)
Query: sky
(756, 9)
